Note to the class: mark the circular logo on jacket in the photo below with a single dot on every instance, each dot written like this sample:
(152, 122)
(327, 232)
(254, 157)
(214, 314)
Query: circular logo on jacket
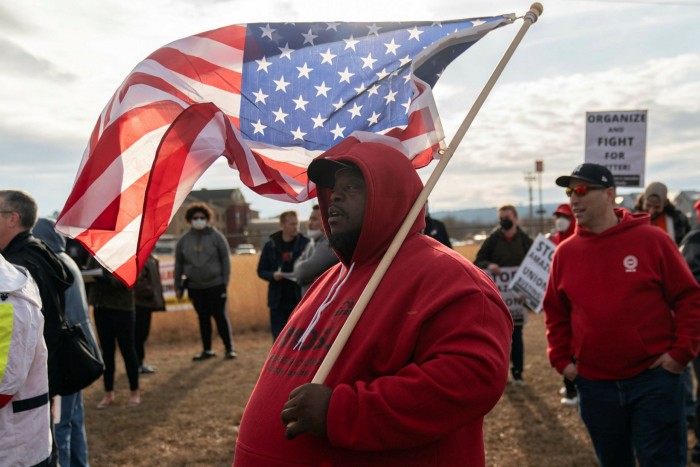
(630, 263)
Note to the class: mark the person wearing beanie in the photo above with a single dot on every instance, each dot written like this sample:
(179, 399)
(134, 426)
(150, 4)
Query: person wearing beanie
(663, 214)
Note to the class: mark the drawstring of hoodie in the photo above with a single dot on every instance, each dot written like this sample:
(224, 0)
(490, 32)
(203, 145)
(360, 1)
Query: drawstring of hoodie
(327, 301)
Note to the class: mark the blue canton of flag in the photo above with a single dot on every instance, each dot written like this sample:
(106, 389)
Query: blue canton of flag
(312, 84)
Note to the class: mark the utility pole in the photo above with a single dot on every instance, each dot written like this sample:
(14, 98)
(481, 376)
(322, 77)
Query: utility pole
(539, 168)
(529, 178)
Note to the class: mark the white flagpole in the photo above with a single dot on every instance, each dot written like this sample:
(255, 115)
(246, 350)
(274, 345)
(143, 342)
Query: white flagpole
(344, 334)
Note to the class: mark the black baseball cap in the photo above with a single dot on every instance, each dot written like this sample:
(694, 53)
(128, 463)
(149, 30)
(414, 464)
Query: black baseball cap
(588, 172)
(322, 171)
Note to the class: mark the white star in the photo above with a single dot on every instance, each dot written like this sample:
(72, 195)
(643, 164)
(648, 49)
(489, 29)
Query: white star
(338, 131)
(350, 43)
(415, 33)
(373, 29)
(300, 102)
(407, 104)
(322, 89)
(382, 74)
(478, 22)
(390, 96)
(280, 116)
(391, 47)
(327, 57)
(374, 118)
(259, 128)
(436, 23)
(260, 96)
(368, 61)
(267, 31)
(304, 71)
(338, 105)
(281, 84)
(286, 51)
(318, 121)
(263, 64)
(361, 89)
(345, 75)
(355, 111)
(298, 134)
(373, 90)
(404, 61)
(333, 26)
(309, 37)
(407, 78)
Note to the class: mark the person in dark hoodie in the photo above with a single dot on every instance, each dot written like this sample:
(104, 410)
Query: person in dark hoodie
(425, 362)
(70, 429)
(276, 265)
(621, 298)
(18, 214)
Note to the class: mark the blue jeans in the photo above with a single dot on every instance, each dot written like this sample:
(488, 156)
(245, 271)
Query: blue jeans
(643, 414)
(70, 433)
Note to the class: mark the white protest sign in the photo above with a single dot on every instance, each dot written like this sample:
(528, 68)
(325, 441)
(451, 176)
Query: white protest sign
(530, 280)
(510, 297)
(617, 140)
(167, 277)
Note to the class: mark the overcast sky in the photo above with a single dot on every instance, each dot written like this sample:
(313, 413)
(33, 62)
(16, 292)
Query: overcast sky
(61, 60)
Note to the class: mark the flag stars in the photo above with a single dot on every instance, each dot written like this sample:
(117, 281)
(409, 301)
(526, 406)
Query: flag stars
(298, 134)
(260, 96)
(300, 103)
(350, 43)
(259, 128)
(322, 90)
(281, 84)
(327, 57)
(373, 29)
(345, 75)
(404, 61)
(263, 64)
(373, 90)
(355, 111)
(391, 47)
(359, 90)
(368, 61)
(382, 74)
(304, 71)
(338, 131)
(267, 31)
(286, 51)
(333, 26)
(374, 118)
(318, 121)
(309, 37)
(406, 105)
(414, 33)
(280, 115)
(478, 22)
(390, 96)
(338, 105)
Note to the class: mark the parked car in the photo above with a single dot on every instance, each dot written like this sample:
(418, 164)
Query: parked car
(245, 249)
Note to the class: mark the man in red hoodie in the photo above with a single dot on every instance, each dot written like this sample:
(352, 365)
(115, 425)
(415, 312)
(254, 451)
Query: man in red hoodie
(622, 299)
(425, 363)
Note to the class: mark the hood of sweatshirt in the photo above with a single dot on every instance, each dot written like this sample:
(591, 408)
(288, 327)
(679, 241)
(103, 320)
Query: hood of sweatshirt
(392, 186)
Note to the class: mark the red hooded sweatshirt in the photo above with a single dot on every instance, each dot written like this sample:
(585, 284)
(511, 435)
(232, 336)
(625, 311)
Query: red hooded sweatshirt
(620, 299)
(426, 361)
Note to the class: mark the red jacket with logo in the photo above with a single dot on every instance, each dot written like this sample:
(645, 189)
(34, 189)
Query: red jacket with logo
(426, 361)
(620, 299)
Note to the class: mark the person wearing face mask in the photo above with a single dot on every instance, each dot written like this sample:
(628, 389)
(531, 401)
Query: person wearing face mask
(203, 267)
(317, 256)
(507, 246)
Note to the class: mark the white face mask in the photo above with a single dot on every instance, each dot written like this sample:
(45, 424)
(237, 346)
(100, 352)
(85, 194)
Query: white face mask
(562, 224)
(199, 224)
(313, 233)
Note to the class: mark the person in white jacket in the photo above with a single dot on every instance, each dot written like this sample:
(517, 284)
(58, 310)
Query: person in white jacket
(25, 436)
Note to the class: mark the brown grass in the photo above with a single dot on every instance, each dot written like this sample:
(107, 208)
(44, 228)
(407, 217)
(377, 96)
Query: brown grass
(191, 410)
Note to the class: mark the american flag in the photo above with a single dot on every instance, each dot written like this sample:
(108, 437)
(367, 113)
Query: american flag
(268, 97)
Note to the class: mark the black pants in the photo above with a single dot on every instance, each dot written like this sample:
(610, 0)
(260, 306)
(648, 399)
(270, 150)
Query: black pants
(517, 352)
(278, 318)
(210, 303)
(141, 330)
(117, 325)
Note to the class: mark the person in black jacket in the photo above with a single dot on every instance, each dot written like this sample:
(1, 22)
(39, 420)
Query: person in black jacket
(276, 265)
(18, 214)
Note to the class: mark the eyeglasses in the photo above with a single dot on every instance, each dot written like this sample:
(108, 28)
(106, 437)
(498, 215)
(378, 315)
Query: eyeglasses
(582, 190)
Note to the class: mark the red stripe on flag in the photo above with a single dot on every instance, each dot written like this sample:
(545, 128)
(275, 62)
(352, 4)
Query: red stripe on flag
(233, 36)
(198, 69)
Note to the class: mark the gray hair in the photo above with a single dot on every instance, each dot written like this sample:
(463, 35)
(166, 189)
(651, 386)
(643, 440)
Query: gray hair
(22, 203)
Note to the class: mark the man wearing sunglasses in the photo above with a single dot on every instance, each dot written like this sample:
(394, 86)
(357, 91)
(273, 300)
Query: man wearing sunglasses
(623, 304)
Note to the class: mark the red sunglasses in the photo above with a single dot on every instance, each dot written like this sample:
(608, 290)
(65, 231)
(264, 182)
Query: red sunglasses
(582, 190)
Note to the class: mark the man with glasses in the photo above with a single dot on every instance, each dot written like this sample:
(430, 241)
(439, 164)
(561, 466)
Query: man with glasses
(622, 303)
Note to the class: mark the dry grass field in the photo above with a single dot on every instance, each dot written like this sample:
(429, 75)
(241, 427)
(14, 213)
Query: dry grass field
(191, 410)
